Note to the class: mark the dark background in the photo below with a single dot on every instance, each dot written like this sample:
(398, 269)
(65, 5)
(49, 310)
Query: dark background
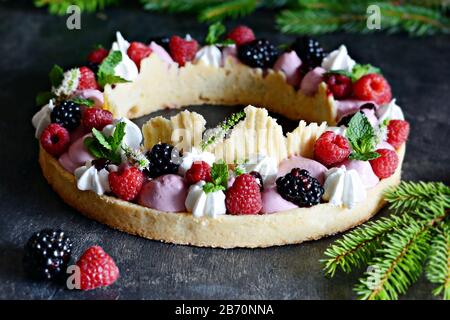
(31, 41)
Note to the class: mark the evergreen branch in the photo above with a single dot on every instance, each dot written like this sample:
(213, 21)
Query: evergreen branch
(233, 9)
(59, 7)
(178, 5)
(438, 267)
(357, 246)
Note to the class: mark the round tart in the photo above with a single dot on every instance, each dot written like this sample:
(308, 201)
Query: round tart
(243, 183)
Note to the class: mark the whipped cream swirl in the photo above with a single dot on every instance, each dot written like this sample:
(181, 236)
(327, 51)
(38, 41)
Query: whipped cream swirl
(201, 204)
(194, 155)
(343, 187)
(338, 60)
(126, 69)
(390, 111)
(209, 55)
(133, 135)
(89, 178)
(265, 165)
(42, 119)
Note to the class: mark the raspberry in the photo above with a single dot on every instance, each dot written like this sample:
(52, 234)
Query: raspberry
(241, 35)
(138, 51)
(199, 170)
(96, 118)
(331, 148)
(372, 87)
(339, 85)
(398, 131)
(87, 79)
(182, 50)
(97, 56)
(97, 269)
(126, 183)
(244, 196)
(55, 139)
(384, 166)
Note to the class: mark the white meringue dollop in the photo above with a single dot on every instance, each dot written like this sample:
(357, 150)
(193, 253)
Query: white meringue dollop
(42, 119)
(201, 204)
(133, 135)
(69, 84)
(126, 69)
(343, 187)
(265, 165)
(390, 111)
(89, 178)
(209, 55)
(338, 130)
(338, 60)
(189, 157)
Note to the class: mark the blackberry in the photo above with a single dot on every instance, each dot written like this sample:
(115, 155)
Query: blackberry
(101, 163)
(300, 188)
(259, 53)
(258, 179)
(47, 254)
(162, 41)
(163, 160)
(93, 66)
(67, 114)
(309, 51)
(346, 119)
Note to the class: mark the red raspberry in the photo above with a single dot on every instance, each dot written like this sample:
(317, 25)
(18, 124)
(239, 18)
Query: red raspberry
(384, 166)
(97, 269)
(138, 51)
(244, 196)
(87, 79)
(199, 170)
(241, 35)
(126, 183)
(372, 87)
(339, 85)
(96, 118)
(182, 50)
(55, 139)
(398, 131)
(98, 55)
(331, 148)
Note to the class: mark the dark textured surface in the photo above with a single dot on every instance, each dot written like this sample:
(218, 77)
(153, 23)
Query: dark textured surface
(32, 41)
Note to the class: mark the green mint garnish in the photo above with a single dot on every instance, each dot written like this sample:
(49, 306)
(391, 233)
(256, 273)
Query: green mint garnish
(82, 101)
(108, 147)
(44, 97)
(56, 76)
(105, 73)
(215, 31)
(362, 138)
(358, 71)
(219, 177)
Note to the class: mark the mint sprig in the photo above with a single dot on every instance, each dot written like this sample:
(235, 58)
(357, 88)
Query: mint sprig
(362, 138)
(358, 71)
(219, 177)
(56, 75)
(105, 73)
(108, 147)
(82, 101)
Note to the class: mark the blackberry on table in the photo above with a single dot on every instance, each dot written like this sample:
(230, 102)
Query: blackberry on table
(300, 188)
(309, 51)
(47, 254)
(162, 160)
(259, 53)
(67, 114)
(163, 41)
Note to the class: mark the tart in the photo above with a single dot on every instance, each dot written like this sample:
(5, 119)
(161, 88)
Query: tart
(244, 183)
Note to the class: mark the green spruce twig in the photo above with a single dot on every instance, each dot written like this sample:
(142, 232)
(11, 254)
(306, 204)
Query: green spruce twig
(59, 7)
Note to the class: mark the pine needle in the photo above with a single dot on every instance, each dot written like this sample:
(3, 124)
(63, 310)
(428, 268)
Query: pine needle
(233, 9)
(59, 7)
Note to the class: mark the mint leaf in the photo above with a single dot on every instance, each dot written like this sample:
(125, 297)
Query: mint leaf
(102, 140)
(101, 146)
(362, 138)
(219, 174)
(105, 73)
(215, 31)
(56, 76)
(82, 101)
(93, 147)
(360, 70)
(118, 135)
(211, 187)
(44, 97)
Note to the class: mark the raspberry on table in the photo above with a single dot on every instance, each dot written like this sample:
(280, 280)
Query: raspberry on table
(385, 165)
(138, 51)
(244, 196)
(182, 50)
(47, 254)
(55, 139)
(68, 114)
(160, 158)
(259, 53)
(339, 85)
(300, 188)
(241, 35)
(331, 148)
(87, 79)
(97, 269)
(97, 56)
(96, 118)
(398, 132)
(126, 183)
(200, 170)
(373, 87)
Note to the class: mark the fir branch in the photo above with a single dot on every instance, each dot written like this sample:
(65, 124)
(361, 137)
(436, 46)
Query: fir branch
(438, 267)
(228, 9)
(59, 7)
(178, 5)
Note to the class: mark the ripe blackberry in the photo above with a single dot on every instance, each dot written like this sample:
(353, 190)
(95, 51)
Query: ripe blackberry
(67, 114)
(259, 53)
(258, 178)
(47, 254)
(162, 41)
(309, 51)
(163, 160)
(300, 188)
(101, 163)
